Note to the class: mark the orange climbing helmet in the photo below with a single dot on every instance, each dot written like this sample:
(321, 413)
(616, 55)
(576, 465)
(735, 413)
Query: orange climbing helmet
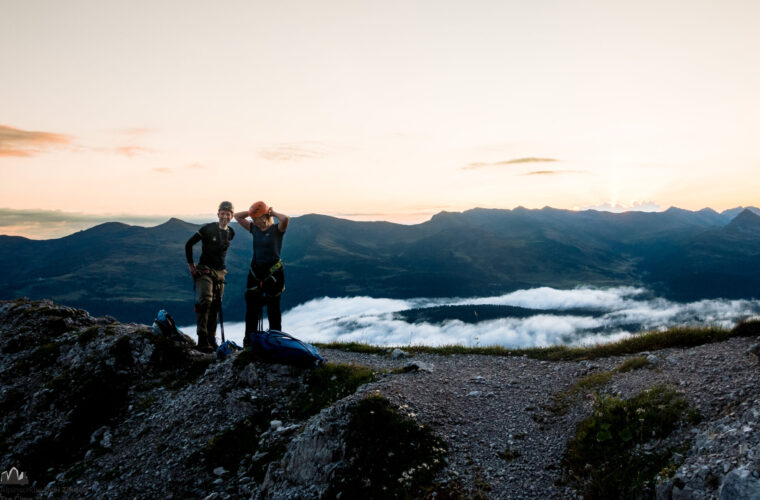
(258, 209)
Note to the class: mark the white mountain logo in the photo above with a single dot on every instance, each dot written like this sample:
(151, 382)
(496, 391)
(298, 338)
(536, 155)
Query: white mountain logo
(13, 476)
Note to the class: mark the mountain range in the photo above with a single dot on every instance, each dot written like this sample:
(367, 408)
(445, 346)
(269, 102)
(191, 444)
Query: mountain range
(131, 272)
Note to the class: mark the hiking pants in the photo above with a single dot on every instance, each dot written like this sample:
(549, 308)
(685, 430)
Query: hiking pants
(207, 308)
(254, 312)
(257, 297)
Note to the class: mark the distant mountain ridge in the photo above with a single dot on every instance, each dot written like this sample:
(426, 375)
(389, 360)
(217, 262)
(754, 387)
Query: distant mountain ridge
(132, 271)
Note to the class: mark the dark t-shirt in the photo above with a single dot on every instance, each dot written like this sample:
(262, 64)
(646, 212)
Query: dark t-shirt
(266, 244)
(215, 240)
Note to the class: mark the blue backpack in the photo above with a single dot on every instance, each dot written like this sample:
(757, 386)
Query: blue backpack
(164, 326)
(227, 348)
(279, 347)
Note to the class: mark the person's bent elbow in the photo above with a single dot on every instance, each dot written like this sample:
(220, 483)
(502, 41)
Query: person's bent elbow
(282, 225)
(242, 219)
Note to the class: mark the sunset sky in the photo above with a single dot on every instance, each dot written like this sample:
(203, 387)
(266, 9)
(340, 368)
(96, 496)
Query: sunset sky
(395, 110)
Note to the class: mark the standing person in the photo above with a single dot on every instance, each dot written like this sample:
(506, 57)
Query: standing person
(209, 273)
(266, 277)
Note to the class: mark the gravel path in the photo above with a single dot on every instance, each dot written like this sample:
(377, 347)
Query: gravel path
(494, 411)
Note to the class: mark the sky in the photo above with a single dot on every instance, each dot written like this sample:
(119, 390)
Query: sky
(144, 110)
(618, 313)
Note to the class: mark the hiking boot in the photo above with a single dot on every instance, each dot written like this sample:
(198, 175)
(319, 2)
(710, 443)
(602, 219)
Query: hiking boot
(203, 343)
(207, 349)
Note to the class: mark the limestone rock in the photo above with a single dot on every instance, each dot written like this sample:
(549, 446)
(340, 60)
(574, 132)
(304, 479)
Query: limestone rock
(398, 353)
(739, 484)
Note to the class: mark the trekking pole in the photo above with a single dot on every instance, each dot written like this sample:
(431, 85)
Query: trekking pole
(221, 316)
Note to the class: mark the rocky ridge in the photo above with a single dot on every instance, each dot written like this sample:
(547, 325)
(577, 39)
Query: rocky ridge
(95, 408)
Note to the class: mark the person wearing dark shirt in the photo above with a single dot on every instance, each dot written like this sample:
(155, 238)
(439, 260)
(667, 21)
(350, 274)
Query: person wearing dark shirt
(210, 272)
(266, 276)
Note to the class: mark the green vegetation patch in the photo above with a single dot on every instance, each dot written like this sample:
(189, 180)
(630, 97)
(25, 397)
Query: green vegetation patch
(746, 328)
(360, 347)
(631, 364)
(327, 384)
(681, 336)
(388, 455)
(592, 382)
(606, 458)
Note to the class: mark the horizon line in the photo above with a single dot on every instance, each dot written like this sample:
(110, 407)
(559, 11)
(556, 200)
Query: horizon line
(55, 224)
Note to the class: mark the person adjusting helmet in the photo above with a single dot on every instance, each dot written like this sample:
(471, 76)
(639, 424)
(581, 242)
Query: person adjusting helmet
(258, 209)
(209, 273)
(266, 275)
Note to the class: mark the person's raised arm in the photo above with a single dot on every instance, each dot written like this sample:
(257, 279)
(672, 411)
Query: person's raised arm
(284, 219)
(242, 219)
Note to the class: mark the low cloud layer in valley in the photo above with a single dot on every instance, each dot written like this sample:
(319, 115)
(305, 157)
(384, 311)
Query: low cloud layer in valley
(572, 317)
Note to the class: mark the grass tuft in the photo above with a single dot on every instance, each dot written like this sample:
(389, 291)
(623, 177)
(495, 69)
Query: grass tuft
(631, 364)
(592, 382)
(359, 347)
(680, 336)
(607, 457)
(388, 455)
(746, 328)
(327, 384)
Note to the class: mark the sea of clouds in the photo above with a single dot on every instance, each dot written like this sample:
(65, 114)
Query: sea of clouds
(614, 313)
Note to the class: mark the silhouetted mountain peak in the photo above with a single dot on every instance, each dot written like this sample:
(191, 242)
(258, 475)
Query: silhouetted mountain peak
(444, 215)
(746, 221)
(733, 212)
(707, 211)
(676, 210)
(175, 223)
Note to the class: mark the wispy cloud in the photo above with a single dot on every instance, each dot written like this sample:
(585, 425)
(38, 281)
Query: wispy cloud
(554, 172)
(613, 313)
(43, 224)
(163, 170)
(24, 143)
(515, 161)
(294, 151)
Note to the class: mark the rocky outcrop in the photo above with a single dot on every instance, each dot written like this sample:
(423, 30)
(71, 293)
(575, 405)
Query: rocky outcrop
(311, 458)
(723, 459)
(90, 407)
